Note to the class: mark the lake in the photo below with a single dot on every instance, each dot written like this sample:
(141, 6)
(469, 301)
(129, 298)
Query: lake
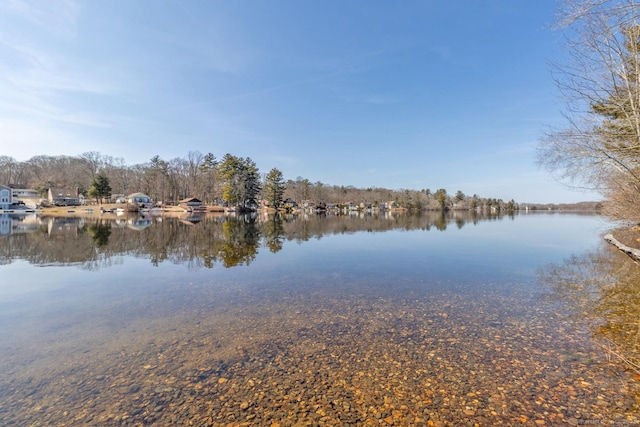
(433, 319)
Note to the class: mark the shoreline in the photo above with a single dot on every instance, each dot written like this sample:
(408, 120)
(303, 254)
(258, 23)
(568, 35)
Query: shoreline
(109, 209)
(626, 241)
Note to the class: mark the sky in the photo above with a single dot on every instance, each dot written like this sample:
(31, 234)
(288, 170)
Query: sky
(400, 95)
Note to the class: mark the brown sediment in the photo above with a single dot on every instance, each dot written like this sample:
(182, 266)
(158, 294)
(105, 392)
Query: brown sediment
(332, 361)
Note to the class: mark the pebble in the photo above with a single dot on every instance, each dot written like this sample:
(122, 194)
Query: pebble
(355, 361)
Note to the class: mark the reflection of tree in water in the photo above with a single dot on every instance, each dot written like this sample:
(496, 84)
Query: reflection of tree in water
(441, 222)
(239, 245)
(100, 232)
(273, 233)
(231, 241)
(603, 289)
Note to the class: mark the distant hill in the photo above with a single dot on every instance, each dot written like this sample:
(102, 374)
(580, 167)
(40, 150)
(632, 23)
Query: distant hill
(579, 206)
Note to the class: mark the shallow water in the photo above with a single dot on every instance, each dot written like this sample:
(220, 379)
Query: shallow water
(404, 320)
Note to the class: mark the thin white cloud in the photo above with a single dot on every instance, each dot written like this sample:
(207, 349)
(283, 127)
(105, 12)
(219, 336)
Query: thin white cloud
(59, 16)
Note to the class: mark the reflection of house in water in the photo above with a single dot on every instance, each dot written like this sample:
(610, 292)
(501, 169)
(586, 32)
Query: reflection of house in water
(139, 223)
(5, 225)
(61, 227)
(192, 204)
(15, 224)
(191, 218)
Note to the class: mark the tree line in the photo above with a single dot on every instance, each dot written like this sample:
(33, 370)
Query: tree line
(231, 180)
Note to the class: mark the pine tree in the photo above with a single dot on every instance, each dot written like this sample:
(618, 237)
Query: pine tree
(274, 187)
(100, 188)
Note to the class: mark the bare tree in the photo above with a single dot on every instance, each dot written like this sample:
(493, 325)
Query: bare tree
(600, 82)
(8, 170)
(193, 170)
(92, 162)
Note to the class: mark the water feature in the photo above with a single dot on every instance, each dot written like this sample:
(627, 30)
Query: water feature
(431, 319)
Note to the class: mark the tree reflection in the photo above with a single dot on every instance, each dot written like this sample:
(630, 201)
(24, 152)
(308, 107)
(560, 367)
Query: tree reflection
(202, 242)
(602, 289)
(100, 233)
(240, 240)
(274, 233)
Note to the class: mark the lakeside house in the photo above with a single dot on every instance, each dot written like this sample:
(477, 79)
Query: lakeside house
(63, 197)
(118, 198)
(6, 197)
(31, 198)
(191, 204)
(9, 202)
(25, 193)
(139, 200)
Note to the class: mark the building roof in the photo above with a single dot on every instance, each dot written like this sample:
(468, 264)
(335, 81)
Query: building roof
(137, 195)
(190, 200)
(63, 192)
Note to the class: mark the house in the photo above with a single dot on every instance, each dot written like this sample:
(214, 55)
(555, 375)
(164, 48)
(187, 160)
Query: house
(63, 197)
(6, 197)
(29, 197)
(290, 203)
(25, 193)
(139, 200)
(192, 204)
(117, 198)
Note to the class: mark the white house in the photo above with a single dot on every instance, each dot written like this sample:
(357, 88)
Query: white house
(140, 200)
(25, 192)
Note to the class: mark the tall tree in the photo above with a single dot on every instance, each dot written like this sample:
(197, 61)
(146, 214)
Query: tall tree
(240, 180)
(194, 170)
(274, 187)
(600, 147)
(208, 172)
(157, 178)
(252, 186)
(92, 162)
(442, 198)
(100, 188)
(8, 170)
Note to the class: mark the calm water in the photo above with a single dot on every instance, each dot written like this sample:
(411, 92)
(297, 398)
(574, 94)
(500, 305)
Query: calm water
(404, 320)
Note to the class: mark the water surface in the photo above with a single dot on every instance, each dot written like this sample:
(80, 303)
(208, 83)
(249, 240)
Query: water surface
(311, 320)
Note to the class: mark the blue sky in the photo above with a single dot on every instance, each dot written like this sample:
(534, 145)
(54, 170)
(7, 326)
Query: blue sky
(410, 94)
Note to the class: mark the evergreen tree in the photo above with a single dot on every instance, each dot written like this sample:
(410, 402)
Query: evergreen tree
(274, 187)
(441, 197)
(208, 171)
(240, 180)
(100, 188)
